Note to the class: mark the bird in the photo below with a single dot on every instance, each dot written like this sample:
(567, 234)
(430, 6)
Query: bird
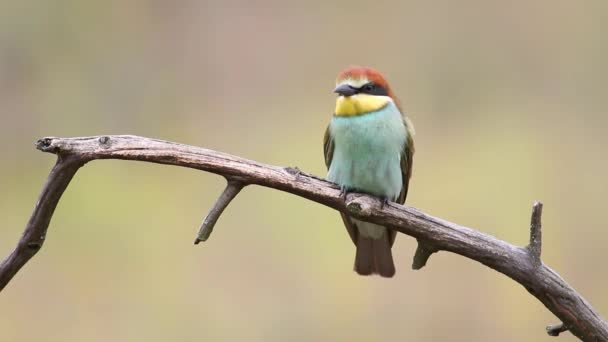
(369, 148)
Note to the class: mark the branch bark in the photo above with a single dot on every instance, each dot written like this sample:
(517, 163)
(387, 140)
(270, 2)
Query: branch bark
(522, 264)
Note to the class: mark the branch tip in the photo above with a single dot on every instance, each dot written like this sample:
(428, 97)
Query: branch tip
(535, 245)
(422, 255)
(232, 189)
(555, 330)
(45, 144)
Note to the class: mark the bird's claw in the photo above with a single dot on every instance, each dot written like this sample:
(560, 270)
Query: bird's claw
(384, 202)
(343, 194)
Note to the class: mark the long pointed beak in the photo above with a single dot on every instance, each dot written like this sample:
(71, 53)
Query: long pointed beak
(345, 90)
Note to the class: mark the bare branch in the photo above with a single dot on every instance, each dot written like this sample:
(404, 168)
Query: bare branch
(536, 242)
(232, 189)
(422, 255)
(35, 230)
(515, 262)
(555, 330)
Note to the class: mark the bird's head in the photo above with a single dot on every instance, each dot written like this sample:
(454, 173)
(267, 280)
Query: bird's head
(362, 90)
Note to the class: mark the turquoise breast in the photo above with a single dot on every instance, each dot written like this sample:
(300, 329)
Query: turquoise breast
(367, 152)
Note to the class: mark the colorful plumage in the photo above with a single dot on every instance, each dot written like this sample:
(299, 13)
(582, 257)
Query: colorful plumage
(369, 147)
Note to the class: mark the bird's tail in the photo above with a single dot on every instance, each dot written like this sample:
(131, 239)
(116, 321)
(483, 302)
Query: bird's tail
(374, 256)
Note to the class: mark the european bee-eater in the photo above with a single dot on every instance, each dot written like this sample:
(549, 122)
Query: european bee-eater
(369, 147)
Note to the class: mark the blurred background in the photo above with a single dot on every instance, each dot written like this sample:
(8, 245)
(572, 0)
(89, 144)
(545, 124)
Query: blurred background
(509, 100)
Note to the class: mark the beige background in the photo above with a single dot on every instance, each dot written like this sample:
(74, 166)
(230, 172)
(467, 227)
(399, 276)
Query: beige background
(509, 100)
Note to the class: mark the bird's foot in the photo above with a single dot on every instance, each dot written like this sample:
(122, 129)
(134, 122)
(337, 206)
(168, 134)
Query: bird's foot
(384, 202)
(343, 193)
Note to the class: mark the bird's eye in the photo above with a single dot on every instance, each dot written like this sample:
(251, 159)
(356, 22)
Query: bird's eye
(369, 87)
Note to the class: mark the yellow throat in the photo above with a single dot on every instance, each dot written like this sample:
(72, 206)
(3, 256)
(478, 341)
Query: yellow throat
(359, 104)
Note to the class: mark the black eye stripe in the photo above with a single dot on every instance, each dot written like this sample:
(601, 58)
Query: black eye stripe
(372, 89)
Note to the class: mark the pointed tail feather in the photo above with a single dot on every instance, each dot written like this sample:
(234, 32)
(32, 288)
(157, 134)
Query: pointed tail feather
(364, 259)
(374, 256)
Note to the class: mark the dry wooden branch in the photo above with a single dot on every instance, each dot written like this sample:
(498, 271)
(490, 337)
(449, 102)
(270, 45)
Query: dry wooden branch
(521, 264)
(422, 254)
(555, 330)
(536, 236)
(232, 189)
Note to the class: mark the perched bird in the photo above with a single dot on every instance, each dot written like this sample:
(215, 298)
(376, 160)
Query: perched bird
(369, 147)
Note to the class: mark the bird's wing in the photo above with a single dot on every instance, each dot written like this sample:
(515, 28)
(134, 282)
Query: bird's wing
(328, 149)
(407, 159)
